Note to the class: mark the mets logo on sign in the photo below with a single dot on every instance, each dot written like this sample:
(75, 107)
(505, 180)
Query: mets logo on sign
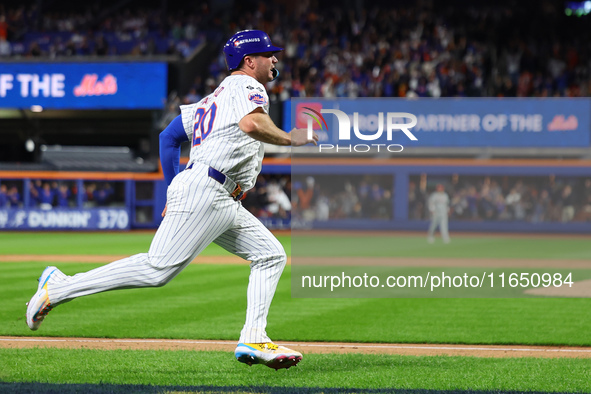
(559, 123)
(257, 98)
(91, 86)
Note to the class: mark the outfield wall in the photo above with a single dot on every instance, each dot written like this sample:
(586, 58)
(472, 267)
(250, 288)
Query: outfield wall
(398, 191)
(392, 187)
(94, 200)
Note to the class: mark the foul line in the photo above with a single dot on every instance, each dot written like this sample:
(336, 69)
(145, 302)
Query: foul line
(331, 347)
(447, 348)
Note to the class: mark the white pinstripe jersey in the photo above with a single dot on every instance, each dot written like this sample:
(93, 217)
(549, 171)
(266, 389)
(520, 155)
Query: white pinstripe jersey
(212, 128)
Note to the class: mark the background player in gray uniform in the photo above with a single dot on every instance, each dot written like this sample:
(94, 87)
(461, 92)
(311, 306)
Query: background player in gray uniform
(438, 205)
(225, 129)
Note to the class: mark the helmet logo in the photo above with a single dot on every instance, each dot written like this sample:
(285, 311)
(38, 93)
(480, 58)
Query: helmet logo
(236, 43)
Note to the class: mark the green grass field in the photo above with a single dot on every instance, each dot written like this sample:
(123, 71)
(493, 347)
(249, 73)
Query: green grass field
(345, 371)
(492, 246)
(215, 297)
(404, 246)
(208, 302)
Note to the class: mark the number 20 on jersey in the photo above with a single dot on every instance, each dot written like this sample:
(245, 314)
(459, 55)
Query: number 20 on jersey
(203, 123)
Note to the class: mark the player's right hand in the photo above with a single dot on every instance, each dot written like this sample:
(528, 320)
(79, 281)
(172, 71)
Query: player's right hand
(299, 137)
(164, 211)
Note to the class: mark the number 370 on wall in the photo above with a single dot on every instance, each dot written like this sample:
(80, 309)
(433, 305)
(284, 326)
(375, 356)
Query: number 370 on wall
(203, 123)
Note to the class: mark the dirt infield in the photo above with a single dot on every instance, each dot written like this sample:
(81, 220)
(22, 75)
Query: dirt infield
(304, 347)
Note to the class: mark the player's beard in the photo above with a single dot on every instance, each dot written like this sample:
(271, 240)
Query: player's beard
(268, 77)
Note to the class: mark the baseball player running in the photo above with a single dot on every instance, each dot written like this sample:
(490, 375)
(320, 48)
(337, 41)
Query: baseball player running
(438, 205)
(226, 129)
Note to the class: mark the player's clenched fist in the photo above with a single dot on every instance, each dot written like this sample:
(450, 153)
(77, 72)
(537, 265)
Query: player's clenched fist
(300, 137)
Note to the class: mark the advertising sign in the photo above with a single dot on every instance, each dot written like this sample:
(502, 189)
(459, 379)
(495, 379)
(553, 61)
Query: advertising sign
(453, 122)
(64, 219)
(83, 85)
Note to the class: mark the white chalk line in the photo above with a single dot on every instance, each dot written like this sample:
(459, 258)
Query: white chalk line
(323, 345)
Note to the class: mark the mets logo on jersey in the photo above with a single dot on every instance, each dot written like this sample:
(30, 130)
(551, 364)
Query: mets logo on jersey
(257, 98)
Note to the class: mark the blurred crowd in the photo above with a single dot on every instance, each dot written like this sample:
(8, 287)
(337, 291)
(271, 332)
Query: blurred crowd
(57, 194)
(424, 49)
(324, 197)
(270, 197)
(532, 199)
(320, 197)
(100, 194)
(92, 30)
(505, 198)
(10, 196)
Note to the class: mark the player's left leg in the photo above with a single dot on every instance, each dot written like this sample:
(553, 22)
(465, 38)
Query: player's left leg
(432, 227)
(443, 228)
(252, 241)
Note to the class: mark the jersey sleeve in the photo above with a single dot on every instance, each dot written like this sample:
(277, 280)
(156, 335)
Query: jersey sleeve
(170, 148)
(248, 96)
(188, 118)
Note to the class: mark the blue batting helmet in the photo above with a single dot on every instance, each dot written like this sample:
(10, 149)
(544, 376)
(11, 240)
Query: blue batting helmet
(247, 42)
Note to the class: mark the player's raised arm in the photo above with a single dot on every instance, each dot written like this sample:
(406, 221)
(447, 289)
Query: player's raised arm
(261, 127)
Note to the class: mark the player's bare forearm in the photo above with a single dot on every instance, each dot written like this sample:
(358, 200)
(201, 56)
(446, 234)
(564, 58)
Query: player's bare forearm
(260, 126)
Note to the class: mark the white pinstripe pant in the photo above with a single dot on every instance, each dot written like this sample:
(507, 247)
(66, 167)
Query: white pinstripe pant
(200, 211)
